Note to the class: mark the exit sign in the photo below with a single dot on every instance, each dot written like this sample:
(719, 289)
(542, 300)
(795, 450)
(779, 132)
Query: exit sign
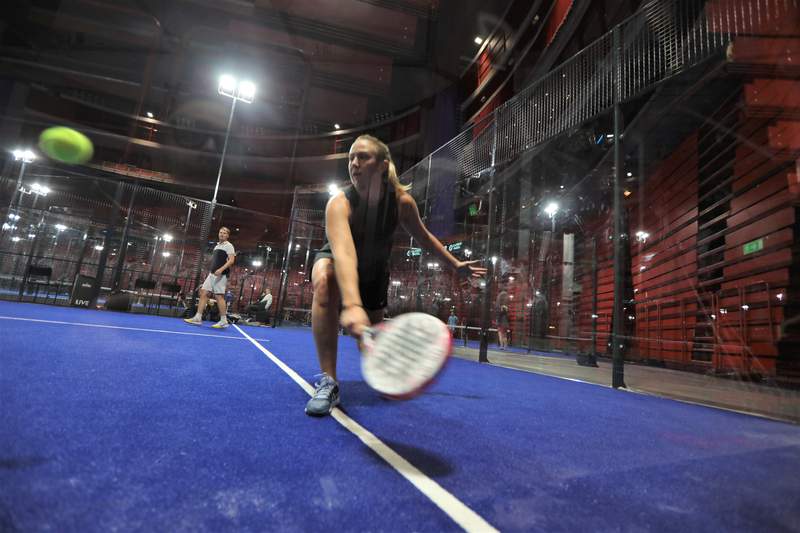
(753, 246)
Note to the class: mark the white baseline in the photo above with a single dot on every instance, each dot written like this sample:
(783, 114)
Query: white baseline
(106, 326)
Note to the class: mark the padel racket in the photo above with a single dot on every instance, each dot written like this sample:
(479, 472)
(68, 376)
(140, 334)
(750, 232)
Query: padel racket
(403, 356)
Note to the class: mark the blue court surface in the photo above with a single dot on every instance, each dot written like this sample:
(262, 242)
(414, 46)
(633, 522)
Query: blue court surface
(121, 422)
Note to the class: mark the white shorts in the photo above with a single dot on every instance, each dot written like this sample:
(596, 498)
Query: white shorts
(215, 284)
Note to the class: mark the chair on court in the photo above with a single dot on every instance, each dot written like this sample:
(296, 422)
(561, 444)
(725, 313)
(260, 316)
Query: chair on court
(37, 276)
(145, 284)
(171, 290)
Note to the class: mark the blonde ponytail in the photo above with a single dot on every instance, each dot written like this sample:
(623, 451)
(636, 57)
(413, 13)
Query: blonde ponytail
(384, 153)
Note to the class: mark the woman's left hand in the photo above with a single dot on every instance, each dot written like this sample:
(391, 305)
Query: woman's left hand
(470, 269)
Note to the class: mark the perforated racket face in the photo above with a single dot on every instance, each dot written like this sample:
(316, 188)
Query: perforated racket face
(406, 354)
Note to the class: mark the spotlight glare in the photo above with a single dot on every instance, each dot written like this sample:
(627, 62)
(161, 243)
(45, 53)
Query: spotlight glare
(227, 84)
(247, 91)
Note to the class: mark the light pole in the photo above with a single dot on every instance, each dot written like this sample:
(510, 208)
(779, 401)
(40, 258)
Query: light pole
(543, 309)
(243, 91)
(191, 205)
(266, 268)
(25, 156)
(551, 210)
(166, 238)
(36, 190)
(257, 263)
(59, 229)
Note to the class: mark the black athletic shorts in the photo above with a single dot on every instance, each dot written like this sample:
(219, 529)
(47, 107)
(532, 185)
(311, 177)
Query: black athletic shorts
(374, 288)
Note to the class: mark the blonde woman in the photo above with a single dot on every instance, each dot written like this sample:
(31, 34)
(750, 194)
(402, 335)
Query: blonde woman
(351, 272)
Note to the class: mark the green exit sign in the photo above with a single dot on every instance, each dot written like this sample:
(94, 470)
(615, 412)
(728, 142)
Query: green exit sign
(753, 246)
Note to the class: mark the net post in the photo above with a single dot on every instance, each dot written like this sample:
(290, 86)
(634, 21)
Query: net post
(285, 266)
(483, 356)
(617, 377)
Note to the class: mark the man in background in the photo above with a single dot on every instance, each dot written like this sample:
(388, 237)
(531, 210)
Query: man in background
(223, 258)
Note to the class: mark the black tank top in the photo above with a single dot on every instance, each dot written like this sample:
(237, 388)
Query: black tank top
(372, 231)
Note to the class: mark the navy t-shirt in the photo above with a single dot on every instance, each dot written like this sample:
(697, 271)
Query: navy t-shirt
(222, 251)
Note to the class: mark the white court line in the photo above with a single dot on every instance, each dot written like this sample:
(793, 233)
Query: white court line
(452, 506)
(232, 337)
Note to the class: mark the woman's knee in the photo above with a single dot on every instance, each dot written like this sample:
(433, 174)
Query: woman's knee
(326, 290)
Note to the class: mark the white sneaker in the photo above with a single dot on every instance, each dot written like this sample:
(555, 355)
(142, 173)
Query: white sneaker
(221, 324)
(194, 320)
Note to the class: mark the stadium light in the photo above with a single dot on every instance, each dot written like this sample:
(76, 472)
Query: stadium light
(37, 189)
(551, 209)
(227, 85)
(244, 90)
(26, 156)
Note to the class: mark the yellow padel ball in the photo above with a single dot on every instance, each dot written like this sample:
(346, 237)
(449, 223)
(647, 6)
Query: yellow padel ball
(66, 145)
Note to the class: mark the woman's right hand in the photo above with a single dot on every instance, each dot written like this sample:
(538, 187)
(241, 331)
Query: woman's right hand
(355, 321)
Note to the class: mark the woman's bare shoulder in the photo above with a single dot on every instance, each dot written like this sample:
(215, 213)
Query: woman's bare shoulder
(338, 205)
(404, 199)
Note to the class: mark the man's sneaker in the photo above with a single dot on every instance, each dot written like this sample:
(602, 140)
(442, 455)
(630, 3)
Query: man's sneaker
(326, 397)
(221, 325)
(194, 320)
